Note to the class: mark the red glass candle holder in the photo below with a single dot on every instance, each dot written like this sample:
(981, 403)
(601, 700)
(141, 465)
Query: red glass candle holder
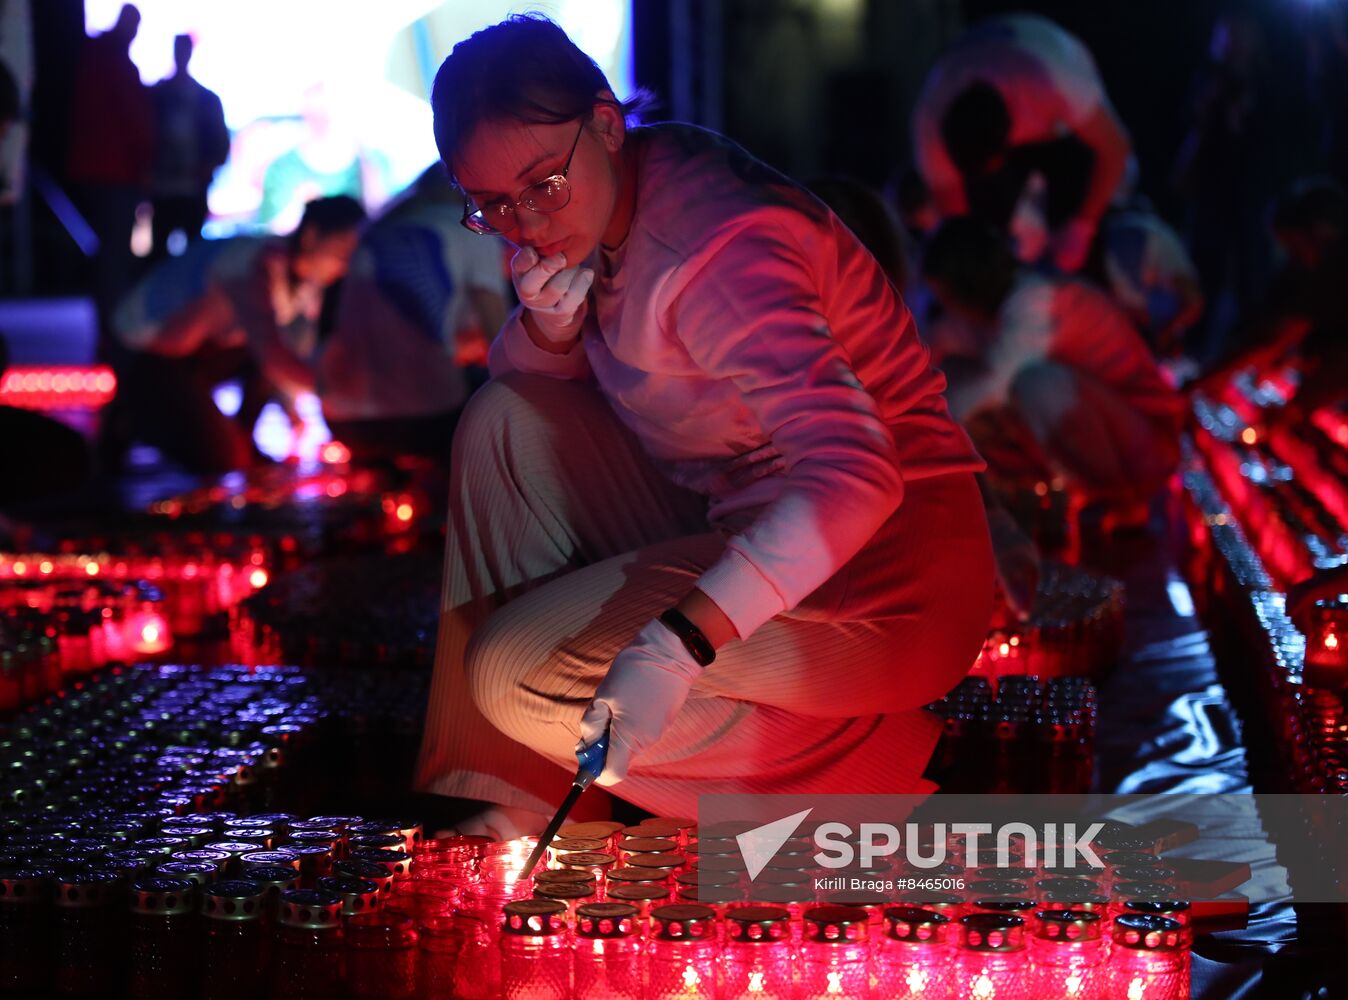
(835, 953)
(1067, 955)
(440, 942)
(992, 960)
(1147, 959)
(608, 952)
(913, 957)
(536, 952)
(759, 959)
(25, 915)
(682, 953)
(1327, 643)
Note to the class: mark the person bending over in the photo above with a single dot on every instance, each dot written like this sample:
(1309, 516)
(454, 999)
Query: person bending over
(711, 501)
(244, 308)
(1061, 382)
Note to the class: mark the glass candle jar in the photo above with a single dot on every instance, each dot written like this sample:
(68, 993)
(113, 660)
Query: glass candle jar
(535, 951)
(308, 947)
(381, 957)
(86, 932)
(25, 917)
(440, 942)
(992, 961)
(608, 952)
(759, 960)
(234, 953)
(163, 952)
(1067, 955)
(912, 960)
(834, 953)
(1326, 660)
(682, 953)
(1147, 960)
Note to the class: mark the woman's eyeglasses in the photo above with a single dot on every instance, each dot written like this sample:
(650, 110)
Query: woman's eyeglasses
(548, 195)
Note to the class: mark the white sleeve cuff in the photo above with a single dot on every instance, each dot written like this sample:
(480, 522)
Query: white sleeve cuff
(743, 594)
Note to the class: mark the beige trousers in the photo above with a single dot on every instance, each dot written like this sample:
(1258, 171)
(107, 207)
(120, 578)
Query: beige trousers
(564, 541)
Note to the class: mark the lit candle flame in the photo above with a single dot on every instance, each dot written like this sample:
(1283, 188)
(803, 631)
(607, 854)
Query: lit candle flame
(1331, 641)
(1136, 989)
(755, 982)
(690, 980)
(984, 987)
(834, 983)
(1074, 983)
(917, 980)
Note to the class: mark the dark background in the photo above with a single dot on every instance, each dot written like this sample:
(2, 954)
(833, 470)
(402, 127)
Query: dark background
(816, 86)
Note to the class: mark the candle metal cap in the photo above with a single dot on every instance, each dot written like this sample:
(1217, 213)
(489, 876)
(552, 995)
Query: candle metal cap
(757, 924)
(684, 922)
(1068, 925)
(233, 899)
(534, 916)
(835, 924)
(161, 895)
(915, 925)
(606, 920)
(996, 932)
(1145, 932)
(312, 909)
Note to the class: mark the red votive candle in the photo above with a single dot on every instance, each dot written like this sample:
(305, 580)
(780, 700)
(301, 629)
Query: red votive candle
(535, 951)
(992, 961)
(835, 953)
(759, 958)
(1147, 960)
(914, 955)
(1067, 955)
(608, 952)
(682, 954)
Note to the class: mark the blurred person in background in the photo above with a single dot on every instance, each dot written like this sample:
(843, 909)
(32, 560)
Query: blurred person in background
(1302, 321)
(1062, 383)
(245, 309)
(1141, 261)
(1013, 120)
(111, 155)
(413, 320)
(191, 143)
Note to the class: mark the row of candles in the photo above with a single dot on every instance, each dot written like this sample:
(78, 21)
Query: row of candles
(1025, 734)
(656, 913)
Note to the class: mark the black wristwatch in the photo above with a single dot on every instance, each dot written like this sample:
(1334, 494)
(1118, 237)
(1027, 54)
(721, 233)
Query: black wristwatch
(697, 644)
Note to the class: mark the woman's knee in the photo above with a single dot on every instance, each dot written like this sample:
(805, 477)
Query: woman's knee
(517, 678)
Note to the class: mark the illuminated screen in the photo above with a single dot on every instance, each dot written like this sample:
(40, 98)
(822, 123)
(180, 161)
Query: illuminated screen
(330, 96)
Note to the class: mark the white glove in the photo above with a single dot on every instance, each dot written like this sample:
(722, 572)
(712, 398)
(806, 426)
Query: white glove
(553, 293)
(638, 699)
